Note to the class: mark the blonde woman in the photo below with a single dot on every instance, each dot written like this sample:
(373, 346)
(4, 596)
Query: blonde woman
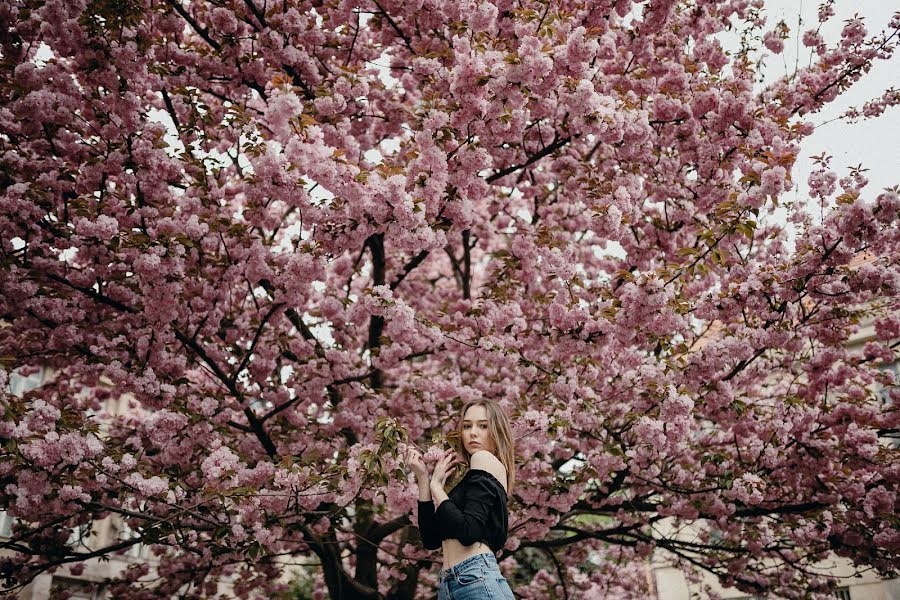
(470, 523)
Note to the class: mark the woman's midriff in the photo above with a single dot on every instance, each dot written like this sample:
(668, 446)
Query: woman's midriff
(455, 553)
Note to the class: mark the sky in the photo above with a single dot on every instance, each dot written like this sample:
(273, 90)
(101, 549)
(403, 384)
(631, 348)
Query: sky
(871, 142)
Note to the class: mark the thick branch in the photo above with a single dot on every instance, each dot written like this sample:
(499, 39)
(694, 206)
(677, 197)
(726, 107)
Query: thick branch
(338, 581)
(408, 268)
(201, 31)
(256, 337)
(256, 12)
(406, 41)
(557, 143)
(256, 425)
(375, 243)
(467, 265)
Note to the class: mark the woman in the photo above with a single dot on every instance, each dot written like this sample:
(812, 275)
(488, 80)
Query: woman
(470, 524)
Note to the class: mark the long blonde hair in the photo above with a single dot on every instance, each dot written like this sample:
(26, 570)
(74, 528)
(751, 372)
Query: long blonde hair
(501, 435)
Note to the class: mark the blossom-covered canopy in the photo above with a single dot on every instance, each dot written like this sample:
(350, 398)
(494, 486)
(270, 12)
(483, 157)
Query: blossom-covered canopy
(291, 237)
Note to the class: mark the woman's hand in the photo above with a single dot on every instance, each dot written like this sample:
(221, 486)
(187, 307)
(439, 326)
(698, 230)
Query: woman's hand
(416, 465)
(442, 469)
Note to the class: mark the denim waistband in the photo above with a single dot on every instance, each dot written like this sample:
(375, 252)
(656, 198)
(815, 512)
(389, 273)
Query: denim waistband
(485, 560)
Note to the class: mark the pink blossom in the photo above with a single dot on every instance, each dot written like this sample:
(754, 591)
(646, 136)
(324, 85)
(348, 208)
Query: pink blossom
(147, 486)
(104, 227)
(774, 42)
(250, 256)
(224, 20)
(219, 463)
(483, 17)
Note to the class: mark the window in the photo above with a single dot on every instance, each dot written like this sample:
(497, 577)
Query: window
(79, 589)
(892, 440)
(80, 536)
(25, 379)
(6, 524)
(842, 593)
(136, 551)
(884, 391)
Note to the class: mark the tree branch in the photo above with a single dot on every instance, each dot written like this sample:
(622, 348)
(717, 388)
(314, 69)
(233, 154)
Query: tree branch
(375, 243)
(406, 41)
(256, 337)
(408, 267)
(557, 143)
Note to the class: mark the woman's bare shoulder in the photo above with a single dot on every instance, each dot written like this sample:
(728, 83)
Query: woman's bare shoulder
(484, 460)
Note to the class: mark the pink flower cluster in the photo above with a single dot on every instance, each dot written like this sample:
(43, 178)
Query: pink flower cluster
(249, 253)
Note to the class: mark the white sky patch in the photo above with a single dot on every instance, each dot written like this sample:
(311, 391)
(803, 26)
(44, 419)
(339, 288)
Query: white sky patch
(384, 71)
(175, 146)
(387, 147)
(390, 146)
(43, 55)
(610, 249)
(868, 142)
(321, 195)
(322, 332)
(373, 156)
(287, 371)
(68, 254)
(292, 232)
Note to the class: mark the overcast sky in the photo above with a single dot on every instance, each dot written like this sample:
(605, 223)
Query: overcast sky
(872, 142)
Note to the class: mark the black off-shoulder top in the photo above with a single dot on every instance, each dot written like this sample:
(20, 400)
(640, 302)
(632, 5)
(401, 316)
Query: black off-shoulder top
(475, 512)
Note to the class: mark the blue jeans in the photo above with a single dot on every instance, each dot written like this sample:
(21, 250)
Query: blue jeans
(476, 578)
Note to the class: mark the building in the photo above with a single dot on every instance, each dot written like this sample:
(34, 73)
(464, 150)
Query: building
(89, 584)
(672, 584)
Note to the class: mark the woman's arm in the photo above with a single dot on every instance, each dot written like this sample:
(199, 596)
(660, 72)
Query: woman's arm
(438, 493)
(467, 523)
(439, 477)
(427, 525)
(417, 466)
(424, 490)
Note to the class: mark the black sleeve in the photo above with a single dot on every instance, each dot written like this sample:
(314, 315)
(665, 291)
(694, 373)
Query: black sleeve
(467, 523)
(428, 528)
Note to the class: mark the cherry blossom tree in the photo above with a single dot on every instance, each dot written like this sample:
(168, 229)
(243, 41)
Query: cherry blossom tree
(293, 237)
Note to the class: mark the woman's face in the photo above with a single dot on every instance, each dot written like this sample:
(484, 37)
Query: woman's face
(475, 434)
